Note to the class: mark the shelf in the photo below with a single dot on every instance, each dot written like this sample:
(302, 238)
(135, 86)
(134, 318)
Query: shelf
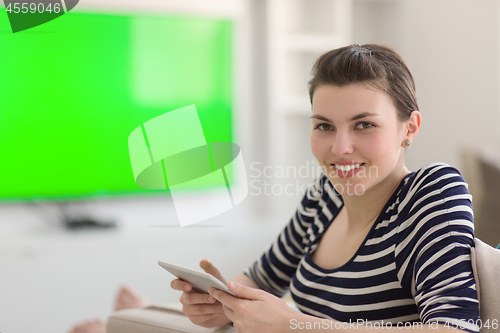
(298, 32)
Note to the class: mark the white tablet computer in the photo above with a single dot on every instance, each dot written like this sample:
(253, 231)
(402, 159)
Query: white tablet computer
(200, 281)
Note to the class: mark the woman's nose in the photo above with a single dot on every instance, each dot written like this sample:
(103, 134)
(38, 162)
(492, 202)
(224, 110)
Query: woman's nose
(342, 144)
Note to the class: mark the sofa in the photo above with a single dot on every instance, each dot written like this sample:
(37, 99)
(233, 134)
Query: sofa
(481, 170)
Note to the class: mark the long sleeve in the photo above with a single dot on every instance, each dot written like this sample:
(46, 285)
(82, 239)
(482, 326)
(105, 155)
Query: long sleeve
(433, 248)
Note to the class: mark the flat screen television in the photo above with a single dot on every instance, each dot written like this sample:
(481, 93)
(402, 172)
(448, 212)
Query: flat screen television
(73, 89)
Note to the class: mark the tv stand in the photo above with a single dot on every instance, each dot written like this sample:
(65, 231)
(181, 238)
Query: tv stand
(75, 224)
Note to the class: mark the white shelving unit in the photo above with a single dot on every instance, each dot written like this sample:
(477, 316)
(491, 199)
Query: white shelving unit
(298, 31)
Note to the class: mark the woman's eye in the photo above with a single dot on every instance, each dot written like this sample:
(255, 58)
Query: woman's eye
(364, 125)
(324, 127)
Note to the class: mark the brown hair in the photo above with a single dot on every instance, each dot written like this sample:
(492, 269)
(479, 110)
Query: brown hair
(376, 65)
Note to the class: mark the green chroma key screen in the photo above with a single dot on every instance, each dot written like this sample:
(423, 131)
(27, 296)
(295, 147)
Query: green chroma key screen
(73, 89)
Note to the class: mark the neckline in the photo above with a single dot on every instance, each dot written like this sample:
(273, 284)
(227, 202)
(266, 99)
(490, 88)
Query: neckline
(389, 202)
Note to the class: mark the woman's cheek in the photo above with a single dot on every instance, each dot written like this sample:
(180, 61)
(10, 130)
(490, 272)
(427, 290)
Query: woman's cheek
(318, 147)
(376, 146)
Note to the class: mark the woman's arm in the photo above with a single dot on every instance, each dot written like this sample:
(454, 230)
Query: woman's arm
(433, 244)
(245, 280)
(259, 311)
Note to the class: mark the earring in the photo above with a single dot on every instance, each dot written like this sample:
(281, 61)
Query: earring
(407, 142)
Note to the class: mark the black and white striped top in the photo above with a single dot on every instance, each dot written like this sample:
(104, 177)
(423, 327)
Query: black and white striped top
(414, 264)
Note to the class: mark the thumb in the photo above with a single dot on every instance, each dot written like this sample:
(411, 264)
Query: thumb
(245, 292)
(210, 268)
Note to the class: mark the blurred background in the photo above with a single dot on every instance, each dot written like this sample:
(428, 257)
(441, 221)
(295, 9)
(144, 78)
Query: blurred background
(73, 89)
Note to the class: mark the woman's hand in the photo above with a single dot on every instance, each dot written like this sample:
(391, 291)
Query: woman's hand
(202, 309)
(256, 311)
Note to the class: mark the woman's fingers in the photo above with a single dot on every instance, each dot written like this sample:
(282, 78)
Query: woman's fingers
(218, 321)
(209, 320)
(210, 268)
(203, 309)
(180, 285)
(196, 298)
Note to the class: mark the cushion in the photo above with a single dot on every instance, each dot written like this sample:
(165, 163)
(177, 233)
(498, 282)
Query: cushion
(487, 225)
(486, 268)
(157, 319)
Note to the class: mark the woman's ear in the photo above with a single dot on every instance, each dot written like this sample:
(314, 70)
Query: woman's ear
(412, 128)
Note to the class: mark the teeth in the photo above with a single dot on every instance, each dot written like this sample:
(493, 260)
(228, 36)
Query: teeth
(347, 167)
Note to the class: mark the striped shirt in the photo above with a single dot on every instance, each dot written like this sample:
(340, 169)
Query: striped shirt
(414, 264)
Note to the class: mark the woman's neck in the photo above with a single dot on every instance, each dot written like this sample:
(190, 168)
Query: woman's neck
(363, 210)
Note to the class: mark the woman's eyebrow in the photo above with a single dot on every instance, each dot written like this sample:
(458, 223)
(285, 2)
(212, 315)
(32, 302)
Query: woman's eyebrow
(364, 114)
(317, 116)
(356, 117)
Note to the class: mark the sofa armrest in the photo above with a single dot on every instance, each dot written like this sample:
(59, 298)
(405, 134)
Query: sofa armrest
(486, 269)
(157, 319)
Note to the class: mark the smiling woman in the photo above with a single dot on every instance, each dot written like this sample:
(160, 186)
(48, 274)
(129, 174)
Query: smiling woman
(356, 128)
(371, 241)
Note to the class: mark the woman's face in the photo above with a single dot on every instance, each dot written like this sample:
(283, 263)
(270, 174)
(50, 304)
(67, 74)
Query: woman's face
(356, 137)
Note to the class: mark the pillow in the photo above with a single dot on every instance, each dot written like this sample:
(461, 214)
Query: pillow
(486, 269)
(487, 224)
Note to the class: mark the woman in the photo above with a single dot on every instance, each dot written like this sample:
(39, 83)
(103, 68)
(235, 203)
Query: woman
(371, 241)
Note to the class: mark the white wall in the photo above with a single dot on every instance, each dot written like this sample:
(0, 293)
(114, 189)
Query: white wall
(452, 48)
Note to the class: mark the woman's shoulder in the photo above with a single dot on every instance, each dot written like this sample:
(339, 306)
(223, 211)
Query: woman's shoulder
(434, 174)
(434, 182)
(435, 197)
(436, 168)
